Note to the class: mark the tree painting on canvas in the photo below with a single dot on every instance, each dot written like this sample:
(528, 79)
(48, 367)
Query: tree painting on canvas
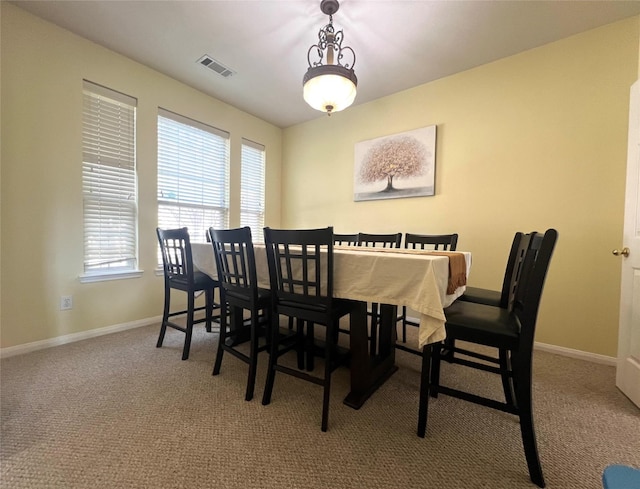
(396, 166)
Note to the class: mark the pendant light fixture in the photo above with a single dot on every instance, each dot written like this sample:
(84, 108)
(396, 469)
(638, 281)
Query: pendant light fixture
(329, 85)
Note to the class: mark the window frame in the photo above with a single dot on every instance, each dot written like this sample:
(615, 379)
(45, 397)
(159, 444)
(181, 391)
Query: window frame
(109, 184)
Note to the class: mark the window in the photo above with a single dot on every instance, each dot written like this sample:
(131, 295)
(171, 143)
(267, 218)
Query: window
(109, 187)
(193, 175)
(252, 188)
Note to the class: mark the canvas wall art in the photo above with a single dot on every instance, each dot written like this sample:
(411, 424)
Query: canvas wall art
(396, 166)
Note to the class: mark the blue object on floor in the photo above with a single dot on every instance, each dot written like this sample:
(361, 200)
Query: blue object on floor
(621, 477)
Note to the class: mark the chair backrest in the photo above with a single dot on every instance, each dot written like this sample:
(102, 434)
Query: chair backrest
(533, 272)
(521, 243)
(380, 240)
(175, 246)
(301, 267)
(345, 239)
(445, 242)
(235, 262)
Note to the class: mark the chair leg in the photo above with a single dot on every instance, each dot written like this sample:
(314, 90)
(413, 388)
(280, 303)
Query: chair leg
(273, 359)
(326, 395)
(165, 315)
(253, 359)
(222, 337)
(523, 399)
(425, 375)
(507, 380)
(189, 328)
(208, 294)
(436, 358)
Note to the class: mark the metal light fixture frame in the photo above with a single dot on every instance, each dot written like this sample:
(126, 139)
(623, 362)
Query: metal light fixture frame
(330, 42)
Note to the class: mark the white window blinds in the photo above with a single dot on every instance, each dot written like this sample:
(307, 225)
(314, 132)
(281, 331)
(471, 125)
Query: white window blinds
(193, 175)
(252, 188)
(109, 180)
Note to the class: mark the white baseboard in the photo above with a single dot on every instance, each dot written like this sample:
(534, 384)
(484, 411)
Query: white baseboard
(70, 338)
(581, 355)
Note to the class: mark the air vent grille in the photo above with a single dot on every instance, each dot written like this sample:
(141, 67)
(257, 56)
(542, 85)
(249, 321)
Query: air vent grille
(208, 62)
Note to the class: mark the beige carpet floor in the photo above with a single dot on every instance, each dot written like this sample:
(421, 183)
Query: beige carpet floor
(115, 412)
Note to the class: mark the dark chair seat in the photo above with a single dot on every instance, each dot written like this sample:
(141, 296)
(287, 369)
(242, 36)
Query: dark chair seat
(482, 324)
(264, 295)
(307, 311)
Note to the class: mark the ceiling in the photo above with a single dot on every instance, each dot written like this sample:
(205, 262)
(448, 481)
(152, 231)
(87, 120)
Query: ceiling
(399, 44)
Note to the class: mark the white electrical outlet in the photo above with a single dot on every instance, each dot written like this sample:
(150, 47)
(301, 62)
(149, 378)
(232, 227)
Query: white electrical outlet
(66, 302)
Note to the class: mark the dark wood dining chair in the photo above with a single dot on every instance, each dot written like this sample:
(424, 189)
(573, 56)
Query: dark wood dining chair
(510, 330)
(301, 274)
(441, 242)
(377, 241)
(345, 239)
(179, 274)
(236, 266)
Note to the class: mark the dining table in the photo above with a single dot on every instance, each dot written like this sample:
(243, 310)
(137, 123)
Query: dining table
(418, 279)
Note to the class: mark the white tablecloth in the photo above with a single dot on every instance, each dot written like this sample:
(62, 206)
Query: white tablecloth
(414, 279)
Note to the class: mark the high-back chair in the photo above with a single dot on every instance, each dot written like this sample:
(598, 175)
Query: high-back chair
(179, 274)
(378, 241)
(345, 239)
(442, 242)
(236, 266)
(301, 274)
(510, 330)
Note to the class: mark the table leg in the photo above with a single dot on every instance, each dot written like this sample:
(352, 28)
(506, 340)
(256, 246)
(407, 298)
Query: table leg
(368, 372)
(240, 330)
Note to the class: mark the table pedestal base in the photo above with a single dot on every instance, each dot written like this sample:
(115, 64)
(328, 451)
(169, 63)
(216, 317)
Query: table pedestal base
(369, 370)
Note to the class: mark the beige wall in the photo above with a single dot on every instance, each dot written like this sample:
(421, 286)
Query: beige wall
(42, 235)
(533, 141)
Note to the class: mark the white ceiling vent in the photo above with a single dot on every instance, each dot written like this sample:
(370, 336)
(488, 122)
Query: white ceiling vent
(216, 66)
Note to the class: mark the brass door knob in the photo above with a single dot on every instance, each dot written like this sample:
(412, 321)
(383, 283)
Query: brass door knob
(624, 252)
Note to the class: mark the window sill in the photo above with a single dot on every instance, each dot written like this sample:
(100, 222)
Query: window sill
(104, 276)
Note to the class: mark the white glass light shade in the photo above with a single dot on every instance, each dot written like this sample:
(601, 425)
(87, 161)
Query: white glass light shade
(329, 92)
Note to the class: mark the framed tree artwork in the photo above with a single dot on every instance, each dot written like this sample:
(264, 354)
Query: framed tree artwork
(396, 166)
